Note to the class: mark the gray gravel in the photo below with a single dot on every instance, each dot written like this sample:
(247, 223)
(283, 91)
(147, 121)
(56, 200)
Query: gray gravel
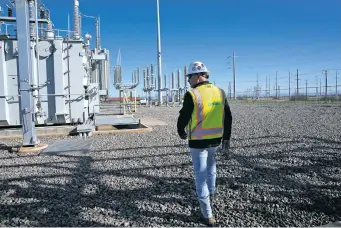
(284, 170)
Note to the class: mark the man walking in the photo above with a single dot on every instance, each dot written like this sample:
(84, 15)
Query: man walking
(207, 118)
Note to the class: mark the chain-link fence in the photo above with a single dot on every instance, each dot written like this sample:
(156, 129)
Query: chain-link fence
(289, 90)
(308, 93)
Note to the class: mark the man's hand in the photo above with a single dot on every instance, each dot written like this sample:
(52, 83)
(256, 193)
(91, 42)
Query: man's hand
(225, 145)
(183, 136)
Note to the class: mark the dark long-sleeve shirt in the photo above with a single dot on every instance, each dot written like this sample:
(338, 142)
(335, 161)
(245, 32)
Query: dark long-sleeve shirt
(186, 114)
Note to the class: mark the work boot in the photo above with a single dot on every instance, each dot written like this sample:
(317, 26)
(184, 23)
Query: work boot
(210, 222)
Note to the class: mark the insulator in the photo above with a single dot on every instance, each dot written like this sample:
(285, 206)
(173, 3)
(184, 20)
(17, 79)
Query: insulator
(42, 14)
(47, 13)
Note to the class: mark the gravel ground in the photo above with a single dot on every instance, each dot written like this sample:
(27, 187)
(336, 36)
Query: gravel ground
(283, 170)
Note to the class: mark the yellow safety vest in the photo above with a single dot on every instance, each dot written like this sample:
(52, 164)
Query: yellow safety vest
(207, 117)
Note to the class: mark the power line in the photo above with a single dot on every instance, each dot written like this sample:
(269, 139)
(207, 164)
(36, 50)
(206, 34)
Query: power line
(297, 54)
(285, 48)
(276, 65)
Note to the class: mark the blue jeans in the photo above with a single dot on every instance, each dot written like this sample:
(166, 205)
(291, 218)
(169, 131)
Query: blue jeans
(205, 176)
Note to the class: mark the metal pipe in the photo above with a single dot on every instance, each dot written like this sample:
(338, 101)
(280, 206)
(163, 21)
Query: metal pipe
(173, 80)
(179, 84)
(62, 30)
(62, 95)
(135, 76)
(152, 76)
(27, 114)
(165, 81)
(8, 95)
(148, 82)
(138, 75)
(37, 58)
(144, 79)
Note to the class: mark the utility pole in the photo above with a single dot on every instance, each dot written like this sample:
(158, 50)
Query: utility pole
(257, 86)
(320, 87)
(276, 86)
(336, 85)
(269, 87)
(234, 76)
(289, 85)
(326, 87)
(159, 54)
(306, 90)
(230, 90)
(266, 86)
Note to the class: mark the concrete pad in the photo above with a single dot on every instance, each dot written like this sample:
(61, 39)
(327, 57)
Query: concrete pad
(115, 120)
(33, 149)
(69, 147)
(16, 133)
(105, 128)
(152, 122)
(54, 131)
(137, 130)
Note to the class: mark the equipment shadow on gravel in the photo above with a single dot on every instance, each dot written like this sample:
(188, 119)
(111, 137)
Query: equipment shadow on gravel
(307, 187)
(56, 204)
(86, 200)
(138, 148)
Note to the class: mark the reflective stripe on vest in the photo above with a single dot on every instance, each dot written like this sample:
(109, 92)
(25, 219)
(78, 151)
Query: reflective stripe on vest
(196, 129)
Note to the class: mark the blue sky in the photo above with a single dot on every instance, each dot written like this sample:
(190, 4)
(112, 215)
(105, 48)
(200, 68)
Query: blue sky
(266, 35)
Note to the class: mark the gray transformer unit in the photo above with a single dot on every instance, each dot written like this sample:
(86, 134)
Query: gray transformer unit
(70, 81)
(101, 71)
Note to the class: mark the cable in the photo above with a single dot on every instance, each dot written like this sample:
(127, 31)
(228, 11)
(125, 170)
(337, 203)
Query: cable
(275, 65)
(276, 50)
(11, 3)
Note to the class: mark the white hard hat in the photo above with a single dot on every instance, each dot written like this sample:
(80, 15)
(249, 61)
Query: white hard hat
(197, 67)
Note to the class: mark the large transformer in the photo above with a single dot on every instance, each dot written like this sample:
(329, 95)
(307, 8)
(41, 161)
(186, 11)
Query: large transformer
(68, 79)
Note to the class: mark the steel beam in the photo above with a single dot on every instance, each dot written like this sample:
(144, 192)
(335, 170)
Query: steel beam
(14, 19)
(25, 74)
